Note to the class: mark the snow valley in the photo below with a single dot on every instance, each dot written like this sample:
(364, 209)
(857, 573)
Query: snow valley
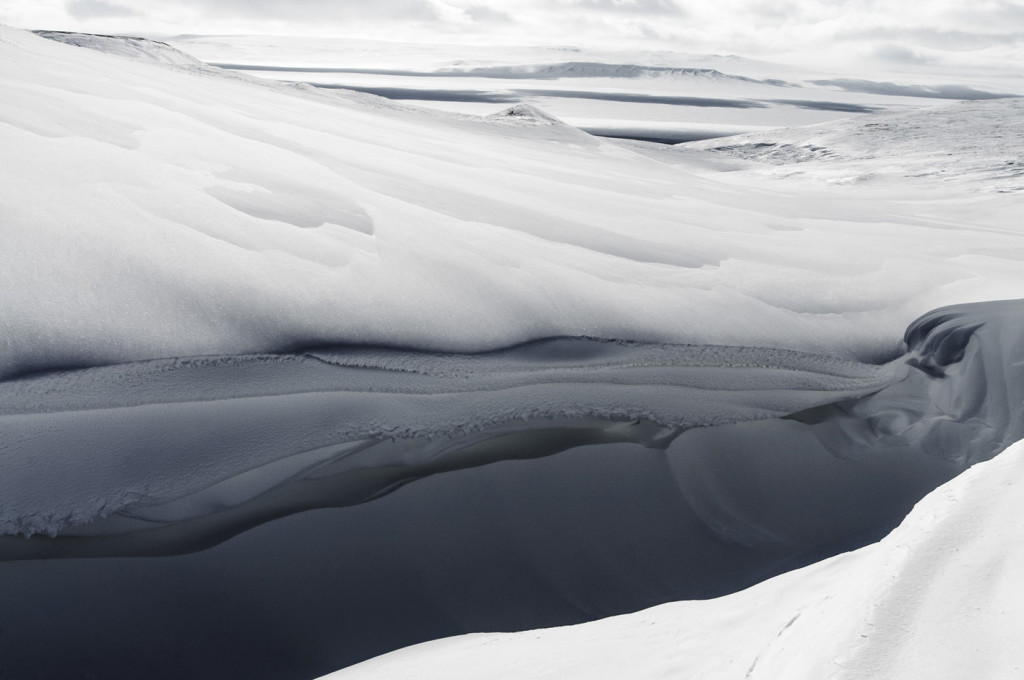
(294, 375)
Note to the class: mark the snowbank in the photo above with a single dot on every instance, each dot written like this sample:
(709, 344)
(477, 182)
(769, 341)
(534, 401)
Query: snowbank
(153, 212)
(142, 49)
(313, 246)
(963, 144)
(936, 599)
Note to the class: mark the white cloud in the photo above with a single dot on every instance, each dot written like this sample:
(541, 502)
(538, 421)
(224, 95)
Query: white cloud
(89, 9)
(843, 29)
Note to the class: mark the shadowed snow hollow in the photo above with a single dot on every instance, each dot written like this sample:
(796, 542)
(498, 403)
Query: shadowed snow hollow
(938, 599)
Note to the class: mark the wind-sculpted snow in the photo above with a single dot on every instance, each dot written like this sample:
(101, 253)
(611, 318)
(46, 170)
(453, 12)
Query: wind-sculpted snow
(142, 49)
(210, 434)
(936, 599)
(923, 146)
(362, 443)
(554, 482)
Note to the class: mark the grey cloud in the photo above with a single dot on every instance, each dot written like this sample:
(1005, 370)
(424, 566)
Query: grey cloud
(936, 38)
(97, 9)
(311, 11)
(483, 13)
(901, 54)
(644, 7)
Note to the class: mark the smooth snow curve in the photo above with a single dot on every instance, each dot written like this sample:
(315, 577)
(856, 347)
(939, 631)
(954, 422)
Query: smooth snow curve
(208, 434)
(938, 599)
(172, 456)
(165, 211)
(245, 459)
(439, 379)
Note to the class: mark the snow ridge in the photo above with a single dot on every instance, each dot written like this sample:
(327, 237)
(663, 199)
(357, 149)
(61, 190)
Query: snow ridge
(927, 146)
(140, 49)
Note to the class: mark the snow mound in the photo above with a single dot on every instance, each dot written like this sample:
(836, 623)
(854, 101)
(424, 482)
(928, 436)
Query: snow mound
(526, 113)
(141, 49)
(967, 142)
(210, 440)
(937, 599)
(195, 213)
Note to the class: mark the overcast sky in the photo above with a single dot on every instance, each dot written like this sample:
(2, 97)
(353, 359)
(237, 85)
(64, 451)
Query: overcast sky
(961, 32)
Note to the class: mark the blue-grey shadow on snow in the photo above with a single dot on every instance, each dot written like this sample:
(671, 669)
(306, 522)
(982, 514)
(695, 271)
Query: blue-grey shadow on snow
(546, 484)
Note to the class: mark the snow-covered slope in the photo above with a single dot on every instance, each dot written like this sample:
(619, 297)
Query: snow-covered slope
(295, 497)
(938, 599)
(163, 212)
(134, 48)
(977, 144)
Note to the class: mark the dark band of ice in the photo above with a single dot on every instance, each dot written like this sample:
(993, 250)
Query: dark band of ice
(680, 472)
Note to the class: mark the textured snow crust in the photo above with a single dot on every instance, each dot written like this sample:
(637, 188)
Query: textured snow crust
(615, 515)
(197, 423)
(212, 446)
(142, 49)
(932, 146)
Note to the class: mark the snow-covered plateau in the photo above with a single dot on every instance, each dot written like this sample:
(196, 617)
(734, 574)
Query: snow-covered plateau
(293, 375)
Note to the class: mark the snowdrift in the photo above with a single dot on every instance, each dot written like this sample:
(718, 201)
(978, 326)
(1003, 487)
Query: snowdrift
(142, 49)
(938, 598)
(165, 211)
(309, 376)
(935, 146)
(602, 477)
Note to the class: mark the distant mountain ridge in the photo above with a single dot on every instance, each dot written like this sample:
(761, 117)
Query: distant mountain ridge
(592, 69)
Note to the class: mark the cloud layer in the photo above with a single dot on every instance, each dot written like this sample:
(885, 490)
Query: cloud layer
(988, 32)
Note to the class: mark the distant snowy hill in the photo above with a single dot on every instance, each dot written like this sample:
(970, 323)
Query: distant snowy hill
(971, 144)
(142, 49)
(585, 69)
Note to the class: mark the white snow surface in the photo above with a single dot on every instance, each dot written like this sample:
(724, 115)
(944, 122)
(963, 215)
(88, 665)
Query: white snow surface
(936, 599)
(143, 49)
(930, 145)
(151, 210)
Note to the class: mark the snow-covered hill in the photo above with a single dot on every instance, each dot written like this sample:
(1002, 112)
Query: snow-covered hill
(164, 212)
(310, 375)
(134, 48)
(970, 143)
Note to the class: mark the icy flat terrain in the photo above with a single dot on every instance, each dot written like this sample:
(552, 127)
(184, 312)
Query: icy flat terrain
(293, 375)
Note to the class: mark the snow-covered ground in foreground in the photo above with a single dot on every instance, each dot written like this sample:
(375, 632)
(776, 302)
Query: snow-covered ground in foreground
(319, 241)
(939, 598)
(167, 211)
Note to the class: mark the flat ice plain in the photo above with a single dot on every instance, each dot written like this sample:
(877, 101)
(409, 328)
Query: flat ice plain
(295, 375)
